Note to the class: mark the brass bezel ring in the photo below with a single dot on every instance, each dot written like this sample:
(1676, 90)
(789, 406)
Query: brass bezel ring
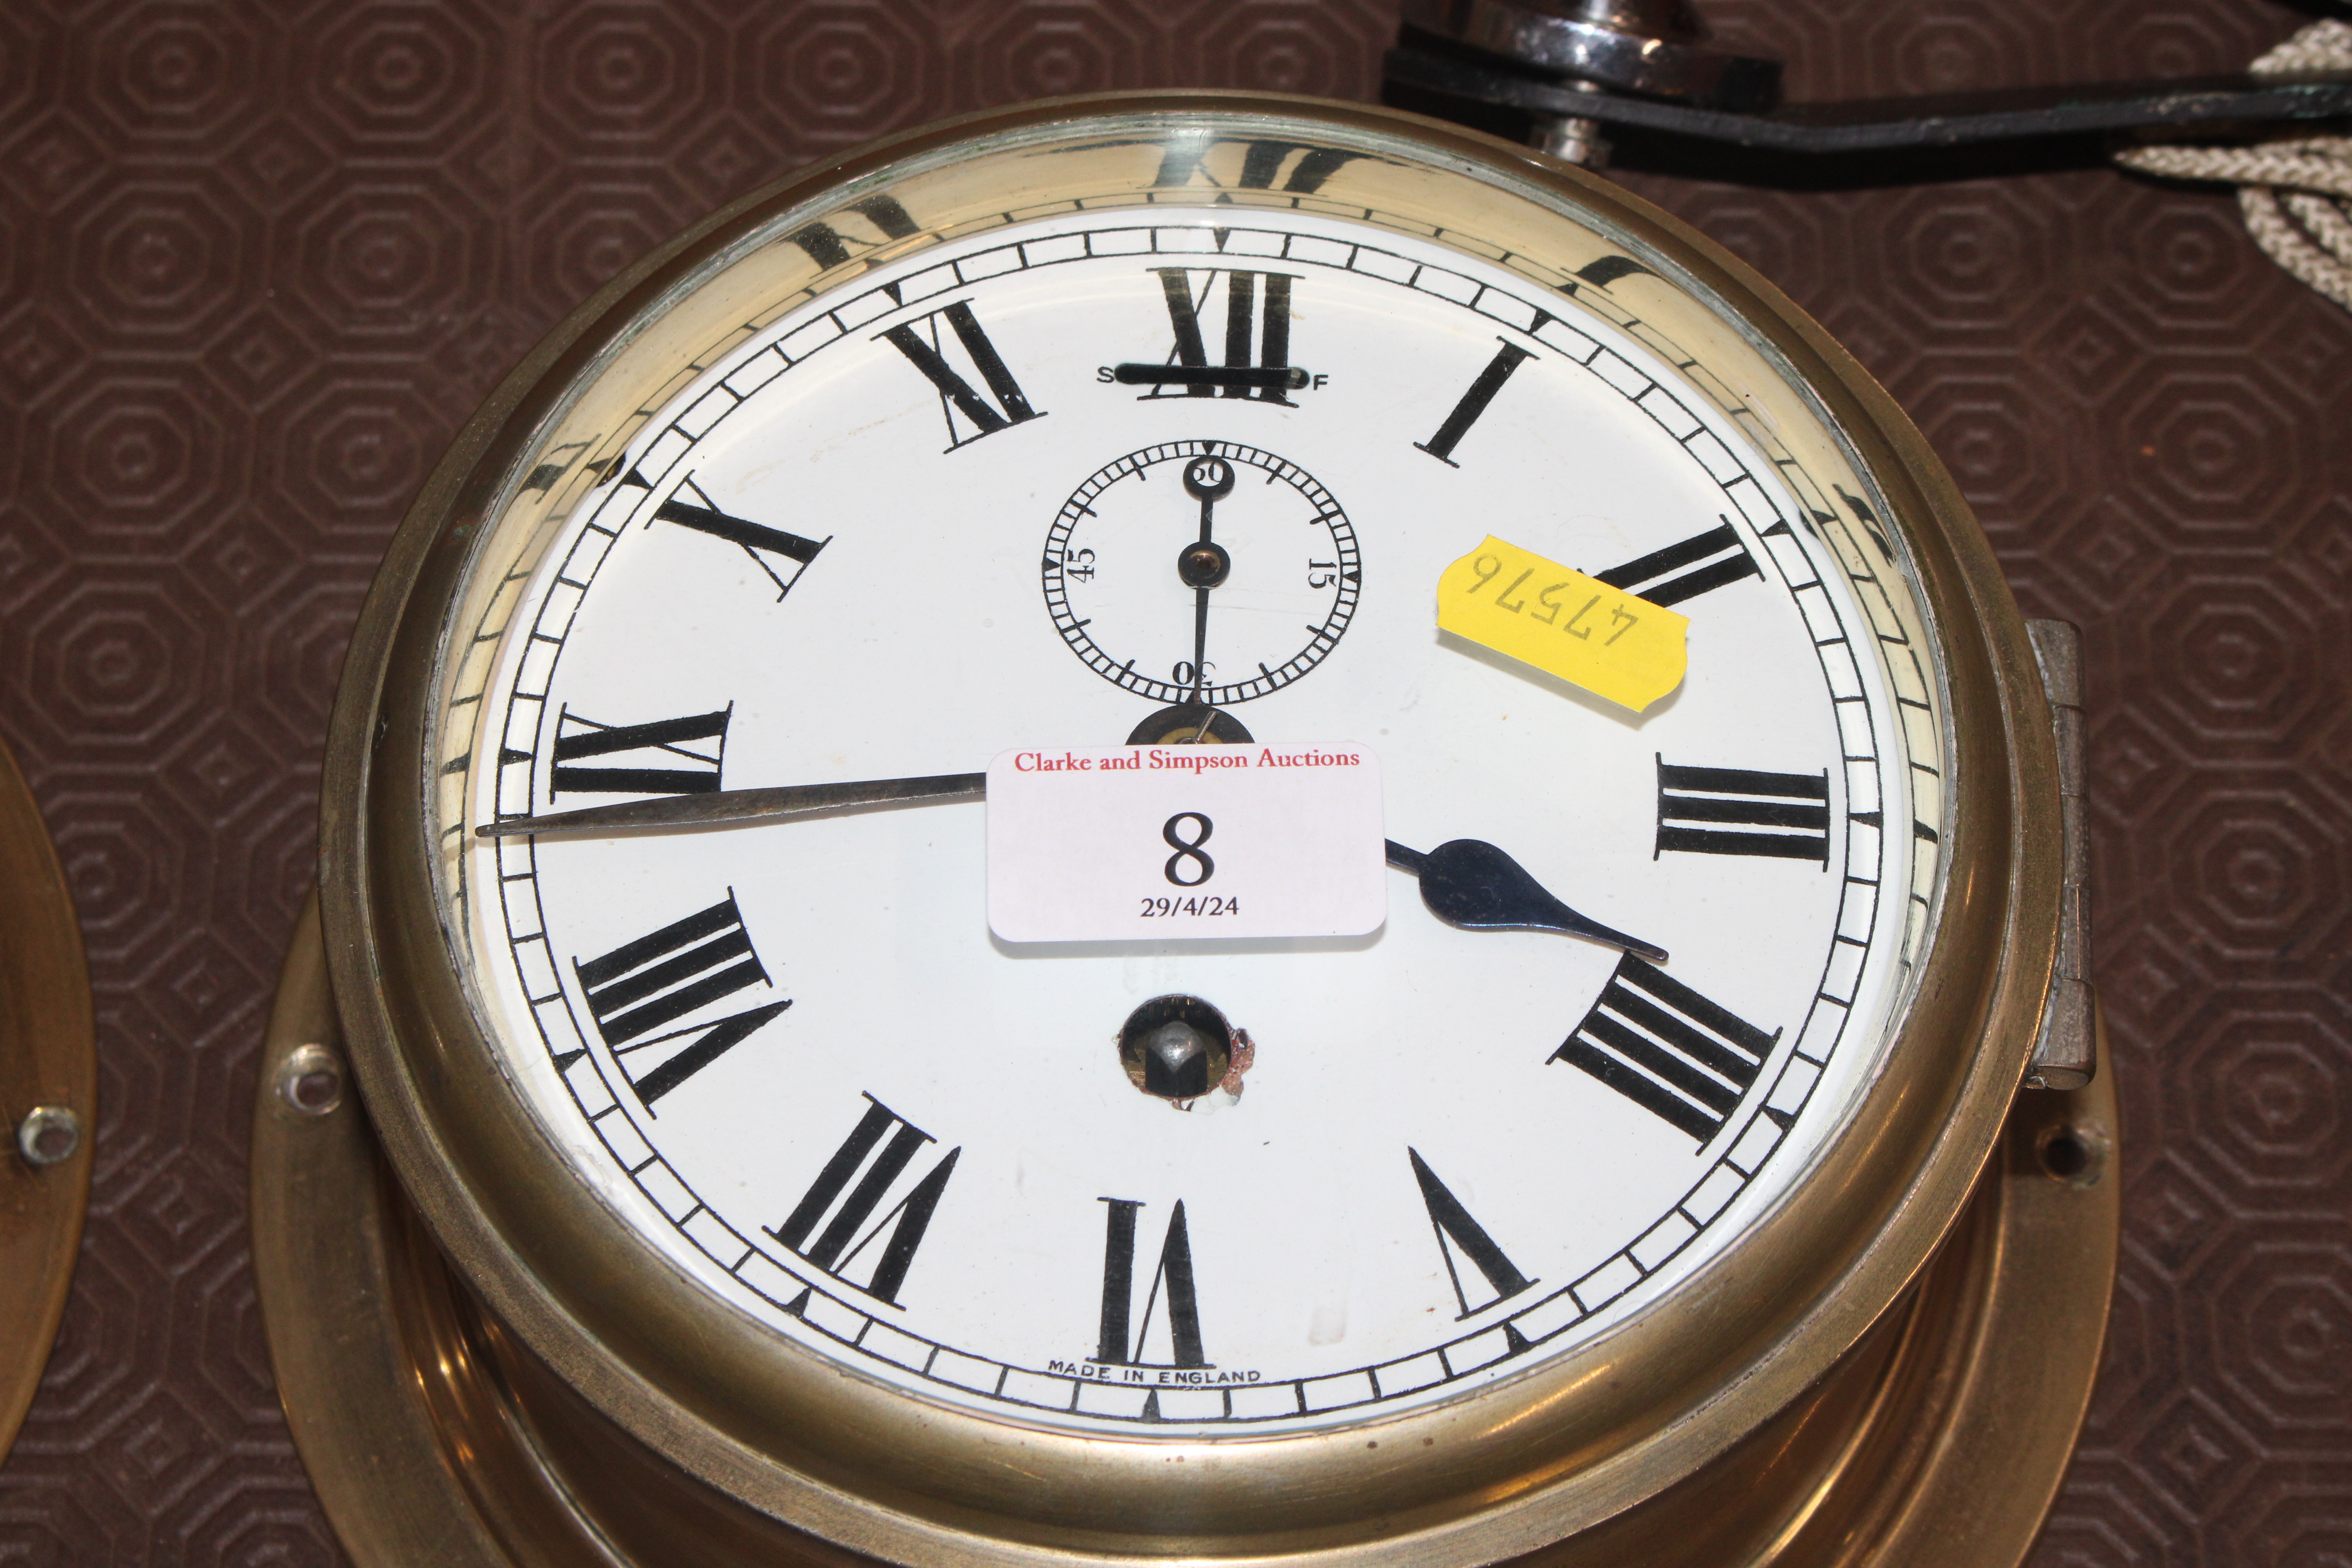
(1521, 1463)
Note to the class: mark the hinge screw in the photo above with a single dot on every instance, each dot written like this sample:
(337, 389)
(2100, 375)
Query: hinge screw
(310, 1080)
(49, 1135)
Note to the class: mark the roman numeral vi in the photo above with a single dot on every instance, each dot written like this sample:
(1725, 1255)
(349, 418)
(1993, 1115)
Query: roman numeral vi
(640, 986)
(1668, 1048)
(1174, 1274)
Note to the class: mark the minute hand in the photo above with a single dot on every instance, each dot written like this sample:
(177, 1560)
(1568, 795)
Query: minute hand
(743, 806)
(1470, 883)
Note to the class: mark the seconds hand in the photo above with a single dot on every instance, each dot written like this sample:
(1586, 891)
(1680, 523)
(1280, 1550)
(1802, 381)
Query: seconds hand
(1203, 563)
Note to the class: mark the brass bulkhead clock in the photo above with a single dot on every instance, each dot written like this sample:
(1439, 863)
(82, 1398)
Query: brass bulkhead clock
(781, 1198)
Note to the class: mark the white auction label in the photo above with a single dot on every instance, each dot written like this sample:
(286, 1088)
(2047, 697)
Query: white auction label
(1116, 843)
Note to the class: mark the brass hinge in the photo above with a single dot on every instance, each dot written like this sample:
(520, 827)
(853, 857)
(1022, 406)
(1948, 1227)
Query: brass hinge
(2065, 1053)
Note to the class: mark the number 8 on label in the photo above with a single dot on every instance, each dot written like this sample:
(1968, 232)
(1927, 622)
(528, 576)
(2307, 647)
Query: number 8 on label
(1188, 848)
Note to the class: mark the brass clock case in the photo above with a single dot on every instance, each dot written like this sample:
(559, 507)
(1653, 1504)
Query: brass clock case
(49, 1094)
(1516, 1466)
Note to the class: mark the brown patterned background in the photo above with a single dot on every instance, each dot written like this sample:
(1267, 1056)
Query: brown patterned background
(257, 262)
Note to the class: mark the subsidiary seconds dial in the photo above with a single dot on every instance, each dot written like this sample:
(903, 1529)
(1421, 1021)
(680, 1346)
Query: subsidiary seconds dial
(1201, 572)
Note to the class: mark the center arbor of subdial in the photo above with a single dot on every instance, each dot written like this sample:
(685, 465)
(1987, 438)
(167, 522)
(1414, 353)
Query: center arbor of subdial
(1201, 572)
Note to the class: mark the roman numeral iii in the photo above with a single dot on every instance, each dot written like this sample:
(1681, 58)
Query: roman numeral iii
(668, 756)
(1668, 1048)
(969, 416)
(641, 986)
(1458, 1235)
(1714, 558)
(1172, 1277)
(1781, 816)
(847, 1213)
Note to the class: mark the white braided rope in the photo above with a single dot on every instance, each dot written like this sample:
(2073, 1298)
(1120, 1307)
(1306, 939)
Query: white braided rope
(2297, 192)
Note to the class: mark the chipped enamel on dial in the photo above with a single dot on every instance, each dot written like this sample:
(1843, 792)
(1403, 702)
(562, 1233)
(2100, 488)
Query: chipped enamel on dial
(790, 1057)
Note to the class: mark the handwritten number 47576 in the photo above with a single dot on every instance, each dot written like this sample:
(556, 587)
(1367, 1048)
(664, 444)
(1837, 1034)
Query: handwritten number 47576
(1489, 567)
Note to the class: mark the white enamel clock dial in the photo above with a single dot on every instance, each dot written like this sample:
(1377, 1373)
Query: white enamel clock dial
(942, 512)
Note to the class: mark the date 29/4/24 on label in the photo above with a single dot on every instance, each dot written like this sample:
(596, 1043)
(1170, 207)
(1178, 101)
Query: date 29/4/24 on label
(1122, 842)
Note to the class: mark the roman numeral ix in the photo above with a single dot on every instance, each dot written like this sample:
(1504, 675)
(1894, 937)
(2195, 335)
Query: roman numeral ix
(1668, 1048)
(782, 556)
(969, 416)
(1783, 816)
(1714, 558)
(1174, 1276)
(641, 986)
(668, 756)
(875, 1165)
(1457, 1233)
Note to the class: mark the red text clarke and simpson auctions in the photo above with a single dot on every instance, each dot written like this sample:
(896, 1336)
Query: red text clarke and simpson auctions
(1190, 759)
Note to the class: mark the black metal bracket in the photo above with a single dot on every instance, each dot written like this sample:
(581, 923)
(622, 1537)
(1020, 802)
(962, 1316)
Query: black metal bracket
(1861, 141)
(1883, 124)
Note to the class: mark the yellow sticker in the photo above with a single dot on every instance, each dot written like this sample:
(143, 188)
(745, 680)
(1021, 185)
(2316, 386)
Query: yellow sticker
(1564, 623)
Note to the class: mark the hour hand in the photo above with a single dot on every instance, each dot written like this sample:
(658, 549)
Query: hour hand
(1470, 883)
